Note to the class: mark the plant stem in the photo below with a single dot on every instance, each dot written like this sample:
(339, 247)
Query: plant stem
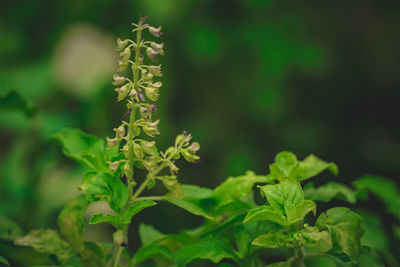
(131, 135)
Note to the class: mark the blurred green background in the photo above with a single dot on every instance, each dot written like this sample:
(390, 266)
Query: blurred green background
(248, 78)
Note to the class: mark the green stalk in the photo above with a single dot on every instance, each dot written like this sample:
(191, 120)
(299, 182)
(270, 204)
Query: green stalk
(131, 136)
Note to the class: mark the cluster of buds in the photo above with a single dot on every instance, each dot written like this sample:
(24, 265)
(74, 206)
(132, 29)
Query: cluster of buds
(141, 93)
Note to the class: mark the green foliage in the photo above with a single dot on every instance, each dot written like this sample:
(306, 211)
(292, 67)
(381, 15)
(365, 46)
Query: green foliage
(47, 241)
(383, 189)
(209, 248)
(345, 228)
(4, 261)
(329, 191)
(14, 101)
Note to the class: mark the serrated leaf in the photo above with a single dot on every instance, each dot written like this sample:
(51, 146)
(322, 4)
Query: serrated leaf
(266, 213)
(195, 200)
(13, 100)
(345, 228)
(329, 191)
(208, 248)
(71, 222)
(279, 195)
(312, 166)
(4, 261)
(275, 239)
(103, 186)
(147, 252)
(148, 234)
(9, 230)
(84, 148)
(382, 188)
(234, 188)
(125, 217)
(46, 241)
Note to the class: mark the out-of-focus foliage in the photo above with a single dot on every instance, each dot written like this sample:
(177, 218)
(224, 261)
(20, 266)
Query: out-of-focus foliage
(248, 77)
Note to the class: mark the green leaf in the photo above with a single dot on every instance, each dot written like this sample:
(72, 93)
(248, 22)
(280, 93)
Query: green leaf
(328, 191)
(84, 148)
(195, 200)
(313, 237)
(234, 188)
(275, 239)
(9, 230)
(46, 241)
(383, 189)
(208, 248)
(4, 261)
(71, 222)
(14, 101)
(125, 217)
(241, 240)
(285, 165)
(312, 166)
(297, 213)
(148, 234)
(103, 186)
(266, 213)
(279, 264)
(286, 192)
(147, 252)
(369, 257)
(346, 230)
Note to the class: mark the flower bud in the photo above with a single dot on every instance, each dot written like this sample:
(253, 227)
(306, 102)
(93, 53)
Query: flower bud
(173, 169)
(148, 147)
(189, 156)
(145, 113)
(111, 142)
(119, 238)
(156, 32)
(118, 80)
(151, 53)
(121, 44)
(113, 166)
(137, 149)
(194, 147)
(123, 91)
(155, 70)
(119, 132)
(150, 128)
(152, 93)
(158, 48)
(122, 65)
(134, 95)
(125, 150)
(146, 76)
(157, 84)
(126, 54)
(127, 169)
(149, 163)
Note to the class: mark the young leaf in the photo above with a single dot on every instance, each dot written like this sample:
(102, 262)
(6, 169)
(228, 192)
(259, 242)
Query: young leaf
(267, 213)
(84, 148)
(328, 191)
(312, 166)
(234, 188)
(241, 240)
(125, 217)
(208, 248)
(103, 186)
(296, 213)
(4, 261)
(195, 200)
(384, 189)
(285, 166)
(148, 234)
(147, 252)
(279, 195)
(320, 240)
(275, 239)
(46, 241)
(71, 222)
(345, 228)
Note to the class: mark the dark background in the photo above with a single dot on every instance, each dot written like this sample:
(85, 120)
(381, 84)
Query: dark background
(247, 78)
